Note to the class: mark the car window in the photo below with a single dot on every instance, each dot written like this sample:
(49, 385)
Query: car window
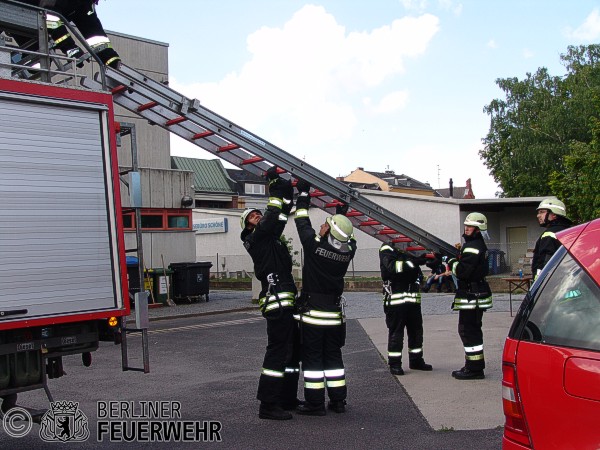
(566, 310)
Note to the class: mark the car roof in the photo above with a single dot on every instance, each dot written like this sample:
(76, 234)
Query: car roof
(583, 243)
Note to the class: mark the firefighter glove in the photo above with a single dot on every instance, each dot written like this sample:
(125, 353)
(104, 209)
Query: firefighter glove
(303, 186)
(341, 209)
(271, 174)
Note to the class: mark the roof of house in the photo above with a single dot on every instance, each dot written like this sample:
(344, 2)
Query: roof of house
(209, 174)
(458, 192)
(244, 175)
(402, 181)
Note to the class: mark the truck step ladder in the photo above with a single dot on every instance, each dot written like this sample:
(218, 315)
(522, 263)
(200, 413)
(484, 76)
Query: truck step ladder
(165, 107)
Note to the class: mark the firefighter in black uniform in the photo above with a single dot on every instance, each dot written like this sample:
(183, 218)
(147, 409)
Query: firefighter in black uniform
(402, 307)
(278, 383)
(327, 256)
(83, 14)
(473, 295)
(552, 215)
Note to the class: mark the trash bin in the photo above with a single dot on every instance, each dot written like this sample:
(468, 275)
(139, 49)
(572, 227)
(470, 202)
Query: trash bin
(190, 280)
(496, 261)
(133, 278)
(160, 285)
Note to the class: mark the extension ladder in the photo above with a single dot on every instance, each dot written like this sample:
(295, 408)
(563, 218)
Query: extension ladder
(165, 107)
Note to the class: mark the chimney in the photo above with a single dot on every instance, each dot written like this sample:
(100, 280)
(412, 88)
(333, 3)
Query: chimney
(451, 194)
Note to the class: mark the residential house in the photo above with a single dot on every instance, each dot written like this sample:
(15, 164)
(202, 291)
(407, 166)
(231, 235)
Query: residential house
(388, 181)
(213, 188)
(452, 191)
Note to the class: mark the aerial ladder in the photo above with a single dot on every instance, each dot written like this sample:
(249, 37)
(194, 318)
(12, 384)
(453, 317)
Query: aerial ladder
(187, 118)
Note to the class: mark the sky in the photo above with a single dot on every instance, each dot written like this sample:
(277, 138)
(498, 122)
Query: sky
(381, 84)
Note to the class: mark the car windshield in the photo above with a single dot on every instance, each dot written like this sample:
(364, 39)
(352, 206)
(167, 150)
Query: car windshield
(566, 308)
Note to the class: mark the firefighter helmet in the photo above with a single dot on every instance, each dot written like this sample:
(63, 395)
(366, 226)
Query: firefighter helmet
(340, 227)
(244, 216)
(554, 205)
(476, 220)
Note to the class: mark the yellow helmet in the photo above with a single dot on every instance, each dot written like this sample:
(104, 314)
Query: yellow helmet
(245, 215)
(476, 220)
(553, 204)
(340, 227)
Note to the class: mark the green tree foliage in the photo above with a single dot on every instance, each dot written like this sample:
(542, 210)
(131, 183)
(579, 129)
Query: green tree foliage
(579, 181)
(544, 136)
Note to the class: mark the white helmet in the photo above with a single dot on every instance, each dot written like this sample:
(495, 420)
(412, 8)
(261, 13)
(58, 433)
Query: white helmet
(554, 205)
(340, 227)
(476, 220)
(244, 216)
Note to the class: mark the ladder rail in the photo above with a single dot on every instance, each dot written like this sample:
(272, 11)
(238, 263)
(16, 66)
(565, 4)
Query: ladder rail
(221, 137)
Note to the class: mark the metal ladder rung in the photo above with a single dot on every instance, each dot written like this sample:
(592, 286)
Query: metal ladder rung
(202, 135)
(354, 213)
(227, 148)
(147, 106)
(333, 204)
(369, 223)
(401, 240)
(175, 121)
(387, 231)
(317, 193)
(416, 248)
(252, 160)
(118, 90)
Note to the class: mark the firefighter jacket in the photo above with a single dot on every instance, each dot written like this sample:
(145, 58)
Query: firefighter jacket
(471, 269)
(547, 244)
(325, 265)
(270, 255)
(400, 275)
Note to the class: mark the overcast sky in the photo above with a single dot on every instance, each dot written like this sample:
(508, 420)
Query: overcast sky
(381, 84)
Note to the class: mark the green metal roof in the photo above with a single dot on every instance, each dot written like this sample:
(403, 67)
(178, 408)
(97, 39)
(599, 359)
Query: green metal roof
(209, 174)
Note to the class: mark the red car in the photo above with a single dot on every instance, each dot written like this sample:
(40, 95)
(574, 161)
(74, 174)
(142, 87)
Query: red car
(551, 359)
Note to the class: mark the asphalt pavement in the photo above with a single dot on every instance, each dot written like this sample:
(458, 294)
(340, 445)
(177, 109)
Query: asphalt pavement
(436, 393)
(205, 356)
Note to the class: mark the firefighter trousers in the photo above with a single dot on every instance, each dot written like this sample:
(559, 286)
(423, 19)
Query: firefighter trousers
(471, 334)
(322, 362)
(278, 381)
(397, 318)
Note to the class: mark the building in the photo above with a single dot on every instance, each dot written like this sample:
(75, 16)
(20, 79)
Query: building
(465, 192)
(212, 186)
(167, 234)
(388, 181)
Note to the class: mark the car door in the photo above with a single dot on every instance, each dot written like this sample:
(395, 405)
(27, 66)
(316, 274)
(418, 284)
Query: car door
(558, 359)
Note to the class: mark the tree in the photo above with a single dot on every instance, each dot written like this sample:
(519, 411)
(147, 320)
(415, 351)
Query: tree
(542, 121)
(579, 184)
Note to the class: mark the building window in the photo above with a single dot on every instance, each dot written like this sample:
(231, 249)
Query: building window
(255, 188)
(160, 219)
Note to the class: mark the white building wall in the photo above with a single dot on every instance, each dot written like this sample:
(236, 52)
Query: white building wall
(439, 217)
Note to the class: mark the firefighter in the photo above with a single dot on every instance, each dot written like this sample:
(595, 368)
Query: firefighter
(473, 295)
(402, 307)
(261, 234)
(327, 256)
(83, 14)
(552, 215)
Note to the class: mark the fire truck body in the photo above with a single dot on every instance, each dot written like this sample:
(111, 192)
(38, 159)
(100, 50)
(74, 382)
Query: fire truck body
(62, 263)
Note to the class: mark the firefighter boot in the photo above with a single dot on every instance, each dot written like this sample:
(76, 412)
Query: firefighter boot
(273, 411)
(468, 374)
(419, 365)
(291, 406)
(309, 409)
(338, 406)
(396, 370)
